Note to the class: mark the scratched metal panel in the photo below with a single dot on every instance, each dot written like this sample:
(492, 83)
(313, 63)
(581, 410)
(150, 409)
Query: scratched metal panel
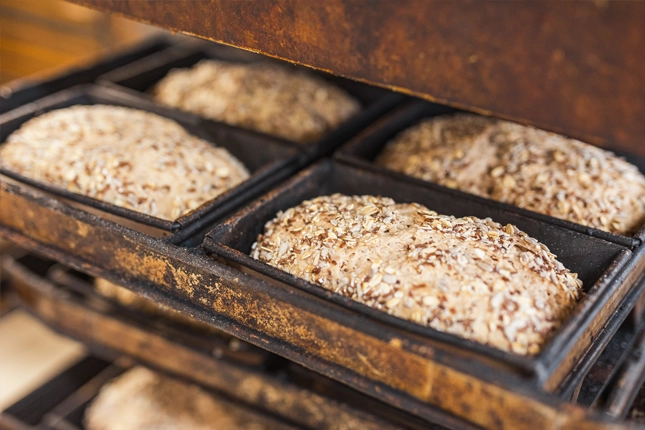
(571, 67)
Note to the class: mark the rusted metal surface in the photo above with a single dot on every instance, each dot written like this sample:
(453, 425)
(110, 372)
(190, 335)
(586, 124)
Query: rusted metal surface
(76, 312)
(571, 67)
(417, 377)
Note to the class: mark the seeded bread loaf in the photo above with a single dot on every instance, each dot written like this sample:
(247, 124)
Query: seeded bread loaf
(523, 166)
(263, 96)
(127, 157)
(467, 276)
(141, 399)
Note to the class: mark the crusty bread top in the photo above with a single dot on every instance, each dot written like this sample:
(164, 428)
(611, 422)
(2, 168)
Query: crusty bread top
(127, 157)
(263, 96)
(523, 166)
(465, 276)
(141, 399)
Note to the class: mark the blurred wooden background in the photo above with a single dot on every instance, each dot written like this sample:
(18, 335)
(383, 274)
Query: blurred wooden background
(43, 36)
(38, 37)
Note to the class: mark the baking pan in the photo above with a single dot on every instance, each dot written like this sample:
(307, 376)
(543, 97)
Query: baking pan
(603, 267)
(23, 91)
(363, 149)
(395, 366)
(269, 160)
(141, 76)
(247, 373)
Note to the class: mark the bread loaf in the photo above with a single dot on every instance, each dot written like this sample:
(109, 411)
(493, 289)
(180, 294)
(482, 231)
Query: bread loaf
(467, 276)
(143, 400)
(523, 166)
(127, 157)
(263, 96)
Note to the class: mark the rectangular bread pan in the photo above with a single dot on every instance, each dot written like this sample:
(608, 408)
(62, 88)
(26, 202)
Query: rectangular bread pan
(607, 270)
(427, 378)
(363, 149)
(268, 159)
(18, 93)
(141, 76)
(66, 300)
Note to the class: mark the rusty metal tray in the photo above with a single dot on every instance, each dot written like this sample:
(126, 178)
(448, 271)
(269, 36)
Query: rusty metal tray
(608, 271)
(25, 91)
(362, 150)
(66, 300)
(422, 376)
(268, 159)
(139, 77)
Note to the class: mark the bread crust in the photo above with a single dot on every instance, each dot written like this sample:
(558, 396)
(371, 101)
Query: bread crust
(523, 166)
(127, 157)
(467, 276)
(261, 96)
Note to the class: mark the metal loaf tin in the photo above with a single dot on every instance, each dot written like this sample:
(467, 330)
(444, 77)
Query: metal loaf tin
(141, 76)
(363, 149)
(25, 91)
(66, 300)
(268, 159)
(608, 270)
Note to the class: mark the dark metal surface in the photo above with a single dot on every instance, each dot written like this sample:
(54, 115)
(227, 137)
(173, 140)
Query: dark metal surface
(364, 148)
(629, 381)
(570, 67)
(141, 76)
(599, 378)
(251, 375)
(18, 93)
(31, 409)
(598, 263)
(269, 160)
(608, 337)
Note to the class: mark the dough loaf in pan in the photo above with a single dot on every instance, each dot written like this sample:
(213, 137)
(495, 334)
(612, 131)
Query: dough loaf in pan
(127, 157)
(470, 277)
(262, 96)
(141, 399)
(523, 166)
